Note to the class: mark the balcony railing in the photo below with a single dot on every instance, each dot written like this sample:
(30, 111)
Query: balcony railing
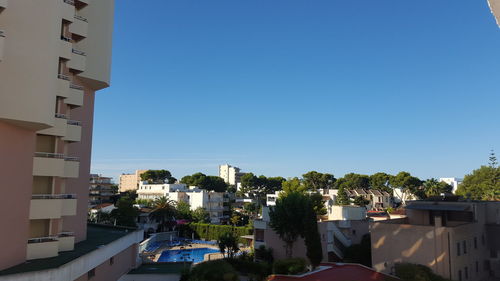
(77, 87)
(53, 196)
(42, 239)
(49, 155)
(73, 122)
(78, 17)
(75, 159)
(78, 52)
(64, 38)
(66, 234)
(60, 115)
(63, 77)
(71, 2)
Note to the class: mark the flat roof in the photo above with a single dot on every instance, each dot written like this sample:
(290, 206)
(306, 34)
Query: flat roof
(97, 235)
(437, 207)
(339, 272)
(161, 268)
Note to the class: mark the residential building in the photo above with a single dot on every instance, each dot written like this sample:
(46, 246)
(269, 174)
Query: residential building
(213, 202)
(378, 200)
(101, 190)
(130, 182)
(401, 196)
(454, 182)
(457, 240)
(337, 272)
(54, 56)
(495, 9)
(336, 235)
(230, 174)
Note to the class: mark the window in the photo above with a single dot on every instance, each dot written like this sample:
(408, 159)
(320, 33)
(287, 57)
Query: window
(459, 275)
(91, 273)
(259, 235)
(477, 266)
(458, 250)
(475, 242)
(111, 261)
(466, 273)
(465, 247)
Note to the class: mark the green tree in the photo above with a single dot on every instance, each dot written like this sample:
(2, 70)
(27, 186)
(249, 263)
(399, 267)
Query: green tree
(203, 181)
(342, 198)
(353, 181)
(294, 185)
(228, 242)
(183, 210)
(310, 233)
(201, 215)
(164, 211)
(433, 187)
(125, 213)
(493, 159)
(360, 253)
(318, 203)
(380, 181)
(482, 184)
(158, 176)
(314, 180)
(258, 187)
(360, 201)
(409, 185)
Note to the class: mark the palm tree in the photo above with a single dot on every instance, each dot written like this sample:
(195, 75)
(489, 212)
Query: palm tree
(164, 211)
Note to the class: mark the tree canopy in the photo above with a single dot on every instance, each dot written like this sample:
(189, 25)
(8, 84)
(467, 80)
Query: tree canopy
(200, 215)
(433, 187)
(261, 185)
(353, 181)
(158, 176)
(164, 211)
(203, 181)
(481, 184)
(314, 180)
(125, 213)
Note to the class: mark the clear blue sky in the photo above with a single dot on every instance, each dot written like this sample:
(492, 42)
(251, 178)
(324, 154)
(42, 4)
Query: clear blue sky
(282, 87)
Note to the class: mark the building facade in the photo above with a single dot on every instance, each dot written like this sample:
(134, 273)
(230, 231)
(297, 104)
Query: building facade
(457, 240)
(231, 175)
(54, 56)
(130, 182)
(454, 182)
(101, 190)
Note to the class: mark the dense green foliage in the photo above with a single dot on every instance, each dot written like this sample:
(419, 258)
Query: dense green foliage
(360, 201)
(228, 243)
(342, 198)
(125, 213)
(183, 210)
(217, 270)
(258, 187)
(264, 254)
(433, 187)
(314, 180)
(164, 211)
(482, 184)
(416, 272)
(310, 233)
(158, 176)
(203, 181)
(213, 231)
(353, 181)
(245, 265)
(360, 253)
(200, 215)
(380, 181)
(289, 266)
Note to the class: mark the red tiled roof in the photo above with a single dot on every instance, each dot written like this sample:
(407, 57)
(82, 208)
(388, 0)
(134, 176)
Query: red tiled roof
(339, 272)
(103, 205)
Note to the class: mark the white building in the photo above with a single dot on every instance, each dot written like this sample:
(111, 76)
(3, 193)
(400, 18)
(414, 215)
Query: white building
(211, 201)
(454, 182)
(231, 175)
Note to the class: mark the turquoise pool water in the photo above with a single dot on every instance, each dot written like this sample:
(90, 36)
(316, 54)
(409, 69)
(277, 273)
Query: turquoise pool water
(194, 255)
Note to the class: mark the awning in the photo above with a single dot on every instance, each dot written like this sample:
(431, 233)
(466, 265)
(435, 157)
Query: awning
(437, 207)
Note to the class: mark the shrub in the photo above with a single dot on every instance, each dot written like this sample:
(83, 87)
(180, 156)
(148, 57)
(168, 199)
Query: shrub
(217, 270)
(246, 266)
(289, 266)
(416, 272)
(264, 254)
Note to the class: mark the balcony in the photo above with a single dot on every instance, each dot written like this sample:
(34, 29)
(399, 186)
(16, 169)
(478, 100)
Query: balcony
(52, 206)
(77, 61)
(86, 2)
(2, 43)
(68, 10)
(75, 97)
(43, 247)
(65, 47)
(59, 129)
(79, 26)
(63, 85)
(66, 241)
(55, 165)
(73, 131)
(3, 4)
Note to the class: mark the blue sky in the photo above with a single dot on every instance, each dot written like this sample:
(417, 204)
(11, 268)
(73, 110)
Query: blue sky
(282, 87)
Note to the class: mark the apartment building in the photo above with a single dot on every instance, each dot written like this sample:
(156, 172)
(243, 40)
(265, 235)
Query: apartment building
(457, 240)
(54, 56)
(130, 181)
(101, 190)
(230, 174)
(454, 182)
(378, 200)
(345, 229)
(213, 202)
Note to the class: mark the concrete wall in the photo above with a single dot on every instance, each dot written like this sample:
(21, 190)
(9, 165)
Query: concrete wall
(17, 147)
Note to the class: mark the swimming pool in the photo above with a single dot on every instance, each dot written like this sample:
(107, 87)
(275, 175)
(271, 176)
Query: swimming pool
(194, 255)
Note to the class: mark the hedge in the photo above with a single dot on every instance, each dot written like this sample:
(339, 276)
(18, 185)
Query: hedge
(213, 231)
(416, 272)
(289, 266)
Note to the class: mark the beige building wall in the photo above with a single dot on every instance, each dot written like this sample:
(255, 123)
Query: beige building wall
(130, 181)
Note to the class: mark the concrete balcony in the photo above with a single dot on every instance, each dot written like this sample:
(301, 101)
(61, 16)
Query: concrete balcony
(59, 129)
(77, 61)
(79, 26)
(2, 43)
(66, 241)
(55, 165)
(84, 1)
(75, 97)
(73, 131)
(67, 10)
(63, 83)
(52, 206)
(44, 247)
(65, 48)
